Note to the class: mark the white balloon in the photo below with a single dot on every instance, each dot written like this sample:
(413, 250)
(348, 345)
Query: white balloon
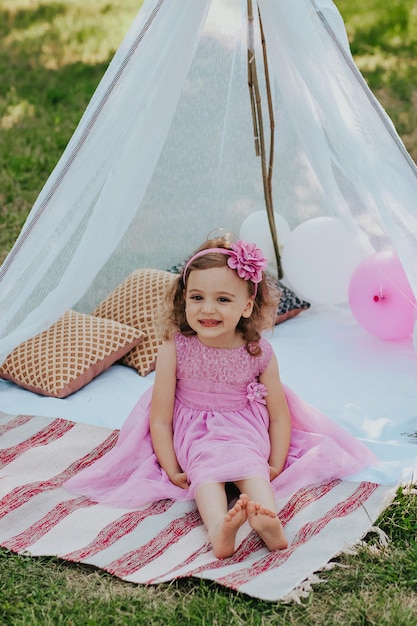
(319, 258)
(255, 228)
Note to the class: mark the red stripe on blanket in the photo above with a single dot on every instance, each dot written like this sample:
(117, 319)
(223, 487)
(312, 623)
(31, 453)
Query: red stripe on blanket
(33, 533)
(118, 529)
(136, 559)
(52, 432)
(304, 497)
(275, 559)
(253, 542)
(206, 547)
(19, 420)
(20, 495)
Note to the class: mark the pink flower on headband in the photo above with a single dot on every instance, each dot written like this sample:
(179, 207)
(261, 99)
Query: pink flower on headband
(247, 260)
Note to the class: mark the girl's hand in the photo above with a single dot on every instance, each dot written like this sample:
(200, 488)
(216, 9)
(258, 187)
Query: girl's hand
(180, 479)
(273, 473)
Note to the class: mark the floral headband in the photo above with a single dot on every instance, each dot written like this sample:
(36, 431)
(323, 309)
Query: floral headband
(244, 257)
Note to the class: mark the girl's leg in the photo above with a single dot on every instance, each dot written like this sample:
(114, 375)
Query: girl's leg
(222, 524)
(262, 513)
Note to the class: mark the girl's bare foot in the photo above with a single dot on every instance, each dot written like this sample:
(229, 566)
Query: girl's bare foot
(266, 523)
(223, 537)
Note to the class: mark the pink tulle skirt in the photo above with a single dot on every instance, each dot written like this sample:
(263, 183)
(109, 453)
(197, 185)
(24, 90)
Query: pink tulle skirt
(218, 437)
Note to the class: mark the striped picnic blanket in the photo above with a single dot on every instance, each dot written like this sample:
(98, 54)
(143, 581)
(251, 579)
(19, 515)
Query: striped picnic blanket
(164, 540)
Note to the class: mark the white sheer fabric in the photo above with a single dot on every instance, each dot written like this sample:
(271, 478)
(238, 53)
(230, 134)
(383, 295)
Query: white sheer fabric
(164, 154)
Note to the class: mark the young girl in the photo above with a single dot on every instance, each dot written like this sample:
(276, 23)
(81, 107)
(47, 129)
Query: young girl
(218, 412)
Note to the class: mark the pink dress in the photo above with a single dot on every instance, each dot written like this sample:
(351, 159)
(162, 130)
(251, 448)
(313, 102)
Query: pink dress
(220, 435)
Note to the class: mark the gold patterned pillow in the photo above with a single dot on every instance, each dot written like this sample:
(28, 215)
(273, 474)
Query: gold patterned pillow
(69, 354)
(137, 302)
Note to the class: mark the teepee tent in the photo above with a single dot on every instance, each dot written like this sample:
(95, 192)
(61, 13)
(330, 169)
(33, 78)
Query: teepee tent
(164, 154)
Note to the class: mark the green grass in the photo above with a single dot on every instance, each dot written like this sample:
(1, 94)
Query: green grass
(52, 56)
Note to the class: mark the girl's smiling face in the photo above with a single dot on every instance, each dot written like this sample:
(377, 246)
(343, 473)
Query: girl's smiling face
(215, 300)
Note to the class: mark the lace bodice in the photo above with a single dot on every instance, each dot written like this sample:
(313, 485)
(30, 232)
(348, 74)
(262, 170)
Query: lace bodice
(234, 366)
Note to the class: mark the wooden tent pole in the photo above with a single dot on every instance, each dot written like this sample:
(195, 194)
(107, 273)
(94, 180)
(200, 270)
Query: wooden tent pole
(257, 119)
(270, 108)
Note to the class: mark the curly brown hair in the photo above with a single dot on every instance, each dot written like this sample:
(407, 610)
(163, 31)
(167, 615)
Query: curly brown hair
(173, 318)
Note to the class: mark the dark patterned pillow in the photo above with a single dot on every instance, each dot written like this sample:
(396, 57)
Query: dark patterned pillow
(289, 304)
(177, 269)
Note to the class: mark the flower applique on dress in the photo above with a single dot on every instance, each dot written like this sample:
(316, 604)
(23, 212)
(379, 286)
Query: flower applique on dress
(256, 392)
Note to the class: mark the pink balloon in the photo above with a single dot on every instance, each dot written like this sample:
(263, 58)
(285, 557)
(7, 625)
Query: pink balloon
(380, 296)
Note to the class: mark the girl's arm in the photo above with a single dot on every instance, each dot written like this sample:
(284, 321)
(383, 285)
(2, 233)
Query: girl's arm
(162, 410)
(279, 417)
